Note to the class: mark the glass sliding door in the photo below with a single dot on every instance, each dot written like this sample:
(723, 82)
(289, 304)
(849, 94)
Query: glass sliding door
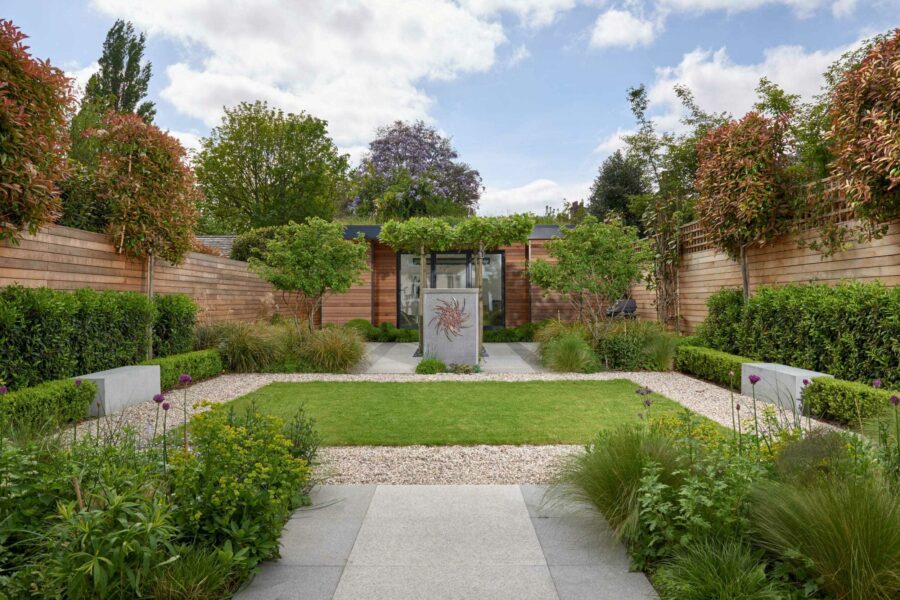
(492, 290)
(408, 291)
(450, 270)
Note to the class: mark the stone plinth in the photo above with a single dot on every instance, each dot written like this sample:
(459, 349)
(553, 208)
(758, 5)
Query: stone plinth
(451, 325)
(117, 389)
(780, 385)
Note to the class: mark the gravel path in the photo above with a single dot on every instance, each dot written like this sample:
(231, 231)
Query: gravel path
(428, 464)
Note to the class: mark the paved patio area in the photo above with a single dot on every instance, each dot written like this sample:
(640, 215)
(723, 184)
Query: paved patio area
(385, 358)
(445, 542)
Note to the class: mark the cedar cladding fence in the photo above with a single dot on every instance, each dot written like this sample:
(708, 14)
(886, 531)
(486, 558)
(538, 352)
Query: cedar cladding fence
(704, 270)
(63, 258)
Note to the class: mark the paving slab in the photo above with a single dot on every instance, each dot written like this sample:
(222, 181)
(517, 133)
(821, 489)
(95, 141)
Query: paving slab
(578, 582)
(397, 358)
(282, 582)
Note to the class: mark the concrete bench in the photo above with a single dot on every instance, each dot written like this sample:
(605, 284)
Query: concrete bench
(117, 389)
(780, 385)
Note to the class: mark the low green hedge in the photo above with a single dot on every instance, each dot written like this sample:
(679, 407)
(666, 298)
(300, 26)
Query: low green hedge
(386, 332)
(711, 365)
(838, 399)
(49, 404)
(173, 329)
(201, 364)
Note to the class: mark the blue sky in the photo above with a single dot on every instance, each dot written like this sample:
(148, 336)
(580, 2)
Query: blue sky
(532, 91)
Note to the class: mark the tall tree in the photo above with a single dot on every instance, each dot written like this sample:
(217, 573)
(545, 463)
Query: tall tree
(618, 180)
(412, 170)
(121, 83)
(34, 98)
(264, 167)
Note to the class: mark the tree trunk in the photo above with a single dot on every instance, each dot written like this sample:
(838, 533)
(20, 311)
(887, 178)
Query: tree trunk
(151, 263)
(479, 281)
(422, 300)
(745, 273)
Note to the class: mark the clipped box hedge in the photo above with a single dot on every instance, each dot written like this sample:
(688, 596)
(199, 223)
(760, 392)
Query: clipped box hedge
(201, 364)
(49, 404)
(711, 365)
(838, 400)
(173, 328)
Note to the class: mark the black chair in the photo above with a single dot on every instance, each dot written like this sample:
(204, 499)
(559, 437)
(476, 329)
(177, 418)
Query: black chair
(626, 307)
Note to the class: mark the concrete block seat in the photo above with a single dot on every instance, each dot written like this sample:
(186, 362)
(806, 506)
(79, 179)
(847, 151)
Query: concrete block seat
(780, 385)
(117, 389)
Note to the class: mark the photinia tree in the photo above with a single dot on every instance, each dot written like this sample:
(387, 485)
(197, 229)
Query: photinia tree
(34, 100)
(311, 259)
(143, 175)
(743, 185)
(864, 140)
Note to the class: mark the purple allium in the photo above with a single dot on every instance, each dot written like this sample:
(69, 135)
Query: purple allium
(895, 400)
(3, 389)
(754, 379)
(184, 378)
(166, 406)
(648, 402)
(876, 383)
(806, 382)
(738, 407)
(77, 383)
(158, 398)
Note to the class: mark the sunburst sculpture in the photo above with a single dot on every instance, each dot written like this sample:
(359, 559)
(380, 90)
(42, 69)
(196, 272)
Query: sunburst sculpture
(450, 318)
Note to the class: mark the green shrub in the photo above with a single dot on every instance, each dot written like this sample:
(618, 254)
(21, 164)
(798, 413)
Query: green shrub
(208, 335)
(848, 331)
(173, 329)
(333, 349)
(248, 347)
(520, 333)
(199, 573)
(387, 332)
(47, 334)
(240, 484)
(555, 328)
(607, 475)
(710, 569)
(625, 345)
(821, 453)
(431, 366)
(368, 331)
(200, 364)
(845, 531)
(844, 401)
(252, 243)
(569, 353)
(711, 365)
(463, 368)
(50, 404)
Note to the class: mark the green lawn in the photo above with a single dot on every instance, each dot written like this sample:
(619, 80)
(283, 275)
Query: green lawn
(441, 413)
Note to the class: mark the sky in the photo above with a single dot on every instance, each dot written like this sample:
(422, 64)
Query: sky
(532, 92)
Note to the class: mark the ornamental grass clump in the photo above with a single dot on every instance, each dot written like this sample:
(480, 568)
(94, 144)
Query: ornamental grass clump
(569, 353)
(247, 347)
(333, 349)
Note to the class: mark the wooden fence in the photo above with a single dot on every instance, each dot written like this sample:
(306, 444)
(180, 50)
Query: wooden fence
(63, 258)
(704, 270)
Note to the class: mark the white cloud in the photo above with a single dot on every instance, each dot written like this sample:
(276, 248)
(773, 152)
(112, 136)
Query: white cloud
(613, 142)
(533, 13)
(80, 76)
(518, 55)
(720, 85)
(802, 8)
(357, 66)
(531, 197)
(622, 28)
(189, 139)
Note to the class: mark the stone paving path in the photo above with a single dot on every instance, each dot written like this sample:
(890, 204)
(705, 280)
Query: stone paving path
(465, 542)
(383, 358)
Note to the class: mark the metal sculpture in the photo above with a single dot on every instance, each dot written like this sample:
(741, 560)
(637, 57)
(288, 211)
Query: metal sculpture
(450, 318)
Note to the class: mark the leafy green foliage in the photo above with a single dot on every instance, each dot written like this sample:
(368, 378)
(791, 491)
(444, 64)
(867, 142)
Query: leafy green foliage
(47, 334)
(520, 333)
(47, 405)
(333, 349)
(844, 401)
(844, 531)
(122, 80)
(252, 243)
(619, 179)
(142, 173)
(431, 366)
(848, 330)
(262, 167)
(821, 454)
(200, 364)
(312, 259)
(34, 100)
(247, 348)
(418, 234)
(722, 326)
(624, 345)
(200, 573)
(716, 569)
(594, 265)
(239, 486)
(569, 353)
(173, 329)
(711, 365)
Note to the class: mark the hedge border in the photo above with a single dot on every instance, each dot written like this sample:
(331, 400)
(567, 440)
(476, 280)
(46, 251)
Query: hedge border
(837, 399)
(200, 364)
(712, 365)
(52, 403)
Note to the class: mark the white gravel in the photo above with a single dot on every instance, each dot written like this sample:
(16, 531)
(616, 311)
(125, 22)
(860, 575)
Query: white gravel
(429, 464)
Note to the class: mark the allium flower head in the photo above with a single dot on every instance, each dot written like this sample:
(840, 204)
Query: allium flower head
(158, 398)
(895, 400)
(806, 382)
(738, 407)
(3, 389)
(166, 406)
(754, 379)
(876, 383)
(184, 378)
(77, 383)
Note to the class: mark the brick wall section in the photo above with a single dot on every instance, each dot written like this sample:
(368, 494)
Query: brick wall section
(66, 259)
(705, 271)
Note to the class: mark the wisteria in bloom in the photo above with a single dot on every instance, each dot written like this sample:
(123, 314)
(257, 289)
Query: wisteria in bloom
(410, 170)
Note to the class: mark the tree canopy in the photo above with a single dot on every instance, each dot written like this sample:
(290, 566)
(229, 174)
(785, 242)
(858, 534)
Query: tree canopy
(620, 178)
(150, 191)
(121, 83)
(412, 170)
(34, 100)
(312, 259)
(262, 167)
